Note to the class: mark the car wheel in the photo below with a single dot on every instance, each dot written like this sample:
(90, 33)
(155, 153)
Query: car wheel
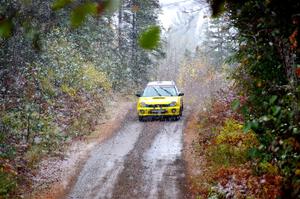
(141, 118)
(176, 118)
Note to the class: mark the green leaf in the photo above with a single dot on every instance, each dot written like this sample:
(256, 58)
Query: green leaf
(235, 104)
(59, 4)
(250, 125)
(298, 89)
(79, 14)
(273, 99)
(247, 126)
(276, 110)
(265, 118)
(295, 131)
(245, 110)
(254, 124)
(254, 153)
(5, 28)
(149, 39)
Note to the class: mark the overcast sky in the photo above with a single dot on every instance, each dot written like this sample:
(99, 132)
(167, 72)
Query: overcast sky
(182, 22)
(173, 11)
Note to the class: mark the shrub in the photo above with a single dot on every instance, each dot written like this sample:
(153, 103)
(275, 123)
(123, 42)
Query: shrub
(33, 155)
(8, 181)
(267, 60)
(231, 145)
(239, 182)
(226, 155)
(267, 168)
(232, 134)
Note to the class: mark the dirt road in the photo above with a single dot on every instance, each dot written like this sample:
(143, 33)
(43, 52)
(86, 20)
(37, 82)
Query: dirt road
(142, 160)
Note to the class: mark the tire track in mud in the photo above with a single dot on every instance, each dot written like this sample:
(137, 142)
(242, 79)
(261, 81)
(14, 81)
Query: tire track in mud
(100, 172)
(143, 160)
(130, 180)
(164, 171)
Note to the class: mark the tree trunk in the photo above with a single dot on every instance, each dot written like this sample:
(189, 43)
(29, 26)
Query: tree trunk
(120, 25)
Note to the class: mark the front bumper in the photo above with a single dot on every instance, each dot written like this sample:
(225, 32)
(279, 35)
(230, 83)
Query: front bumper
(164, 111)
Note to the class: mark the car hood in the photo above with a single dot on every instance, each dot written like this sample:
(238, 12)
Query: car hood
(159, 100)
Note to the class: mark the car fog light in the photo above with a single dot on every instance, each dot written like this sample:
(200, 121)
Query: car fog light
(173, 110)
(142, 111)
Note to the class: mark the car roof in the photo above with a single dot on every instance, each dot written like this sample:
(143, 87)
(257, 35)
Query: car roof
(161, 83)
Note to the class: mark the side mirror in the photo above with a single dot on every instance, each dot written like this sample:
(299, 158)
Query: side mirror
(180, 94)
(138, 94)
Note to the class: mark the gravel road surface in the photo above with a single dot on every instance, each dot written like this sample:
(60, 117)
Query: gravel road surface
(142, 160)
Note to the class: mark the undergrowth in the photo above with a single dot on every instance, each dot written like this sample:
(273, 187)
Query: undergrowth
(229, 171)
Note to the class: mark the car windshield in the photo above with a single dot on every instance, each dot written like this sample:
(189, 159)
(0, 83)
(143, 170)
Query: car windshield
(152, 91)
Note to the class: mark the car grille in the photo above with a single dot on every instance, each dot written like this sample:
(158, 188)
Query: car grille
(157, 105)
(161, 111)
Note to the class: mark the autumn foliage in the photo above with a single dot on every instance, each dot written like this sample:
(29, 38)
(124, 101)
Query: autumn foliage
(222, 148)
(267, 74)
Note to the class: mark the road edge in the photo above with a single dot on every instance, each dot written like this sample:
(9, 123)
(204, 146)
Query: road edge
(104, 131)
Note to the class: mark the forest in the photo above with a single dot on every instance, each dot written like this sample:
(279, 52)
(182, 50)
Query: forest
(62, 61)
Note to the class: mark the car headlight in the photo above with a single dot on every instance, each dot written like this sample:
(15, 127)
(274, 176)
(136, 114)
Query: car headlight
(143, 104)
(173, 104)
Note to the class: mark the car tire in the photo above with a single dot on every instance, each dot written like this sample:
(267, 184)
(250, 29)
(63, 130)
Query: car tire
(176, 118)
(141, 119)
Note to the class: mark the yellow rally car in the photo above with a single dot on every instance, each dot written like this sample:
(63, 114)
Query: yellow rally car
(160, 98)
